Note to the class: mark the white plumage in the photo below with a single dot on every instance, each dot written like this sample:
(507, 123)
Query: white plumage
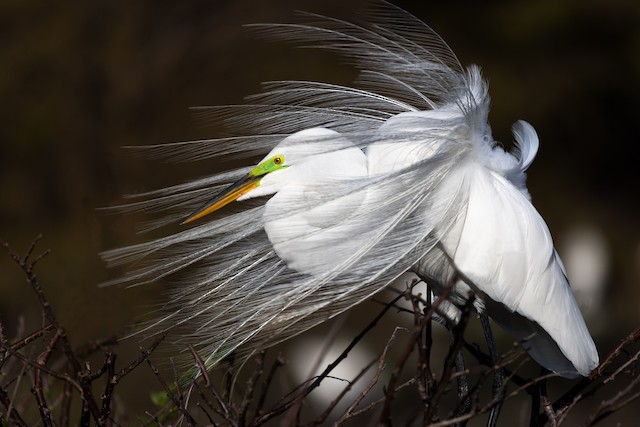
(365, 184)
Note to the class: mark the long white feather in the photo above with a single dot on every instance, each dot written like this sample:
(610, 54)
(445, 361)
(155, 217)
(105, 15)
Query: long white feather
(400, 174)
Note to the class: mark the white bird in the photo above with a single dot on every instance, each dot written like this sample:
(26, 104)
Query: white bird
(401, 174)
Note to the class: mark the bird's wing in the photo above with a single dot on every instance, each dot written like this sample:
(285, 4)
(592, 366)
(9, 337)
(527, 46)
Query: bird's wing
(505, 248)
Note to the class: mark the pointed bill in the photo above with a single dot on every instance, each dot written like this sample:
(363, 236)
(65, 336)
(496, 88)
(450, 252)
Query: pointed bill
(226, 196)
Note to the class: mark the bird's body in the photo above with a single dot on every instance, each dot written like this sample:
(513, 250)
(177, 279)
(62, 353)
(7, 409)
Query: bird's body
(368, 185)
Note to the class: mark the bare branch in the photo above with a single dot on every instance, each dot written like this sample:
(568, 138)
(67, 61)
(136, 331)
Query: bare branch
(45, 412)
(279, 362)
(87, 393)
(178, 401)
(251, 383)
(226, 411)
(31, 337)
(14, 415)
(349, 413)
(386, 412)
(630, 339)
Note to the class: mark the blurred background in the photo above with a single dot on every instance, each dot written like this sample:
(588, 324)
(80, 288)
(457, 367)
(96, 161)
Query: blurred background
(80, 80)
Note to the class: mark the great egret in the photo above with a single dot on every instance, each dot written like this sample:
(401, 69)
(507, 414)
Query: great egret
(401, 174)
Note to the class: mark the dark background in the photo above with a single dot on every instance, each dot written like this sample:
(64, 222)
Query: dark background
(79, 80)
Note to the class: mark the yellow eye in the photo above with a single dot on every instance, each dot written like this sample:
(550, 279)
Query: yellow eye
(278, 160)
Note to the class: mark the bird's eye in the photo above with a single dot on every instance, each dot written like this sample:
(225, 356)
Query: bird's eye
(278, 160)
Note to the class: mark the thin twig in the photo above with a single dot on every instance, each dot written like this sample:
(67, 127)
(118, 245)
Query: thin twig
(385, 416)
(329, 340)
(278, 363)
(609, 406)
(579, 391)
(381, 366)
(332, 405)
(143, 356)
(251, 384)
(487, 407)
(43, 407)
(35, 364)
(86, 392)
(13, 413)
(177, 401)
(629, 339)
(226, 411)
(375, 403)
(283, 407)
(112, 380)
(31, 337)
(65, 405)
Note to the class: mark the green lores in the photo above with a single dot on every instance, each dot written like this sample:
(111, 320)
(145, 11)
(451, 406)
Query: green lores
(272, 164)
(239, 188)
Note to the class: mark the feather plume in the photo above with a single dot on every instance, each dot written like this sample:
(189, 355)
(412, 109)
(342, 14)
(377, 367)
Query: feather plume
(421, 160)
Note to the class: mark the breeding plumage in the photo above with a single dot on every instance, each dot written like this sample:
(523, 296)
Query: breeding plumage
(400, 174)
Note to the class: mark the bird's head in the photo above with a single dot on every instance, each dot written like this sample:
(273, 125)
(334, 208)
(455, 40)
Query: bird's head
(276, 169)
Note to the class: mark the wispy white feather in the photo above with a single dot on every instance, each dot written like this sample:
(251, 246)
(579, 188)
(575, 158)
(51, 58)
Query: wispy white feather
(400, 174)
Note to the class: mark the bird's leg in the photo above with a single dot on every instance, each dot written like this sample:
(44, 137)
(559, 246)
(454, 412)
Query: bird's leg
(424, 356)
(464, 400)
(497, 388)
(428, 333)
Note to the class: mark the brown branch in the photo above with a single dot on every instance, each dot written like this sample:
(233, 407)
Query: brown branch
(279, 409)
(207, 414)
(13, 413)
(608, 407)
(112, 380)
(375, 403)
(385, 416)
(177, 401)
(630, 339)
(589, 386)
(620, 400)
(207, 403)
(279, 362)
(229, 381)
(27, 268)
(226, 411)
(65, 404)
(381, 366)
(487, 407)
(35, 364)
(103, 344)
(37, 389)
(31, 337)
(3, 342)
(352, 344)
(332, 405)
(143, 356)
(294, 412)
(632, 361)
(251, 384)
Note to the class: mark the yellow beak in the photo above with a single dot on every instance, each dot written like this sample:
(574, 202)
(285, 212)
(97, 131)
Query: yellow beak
(226, 196)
